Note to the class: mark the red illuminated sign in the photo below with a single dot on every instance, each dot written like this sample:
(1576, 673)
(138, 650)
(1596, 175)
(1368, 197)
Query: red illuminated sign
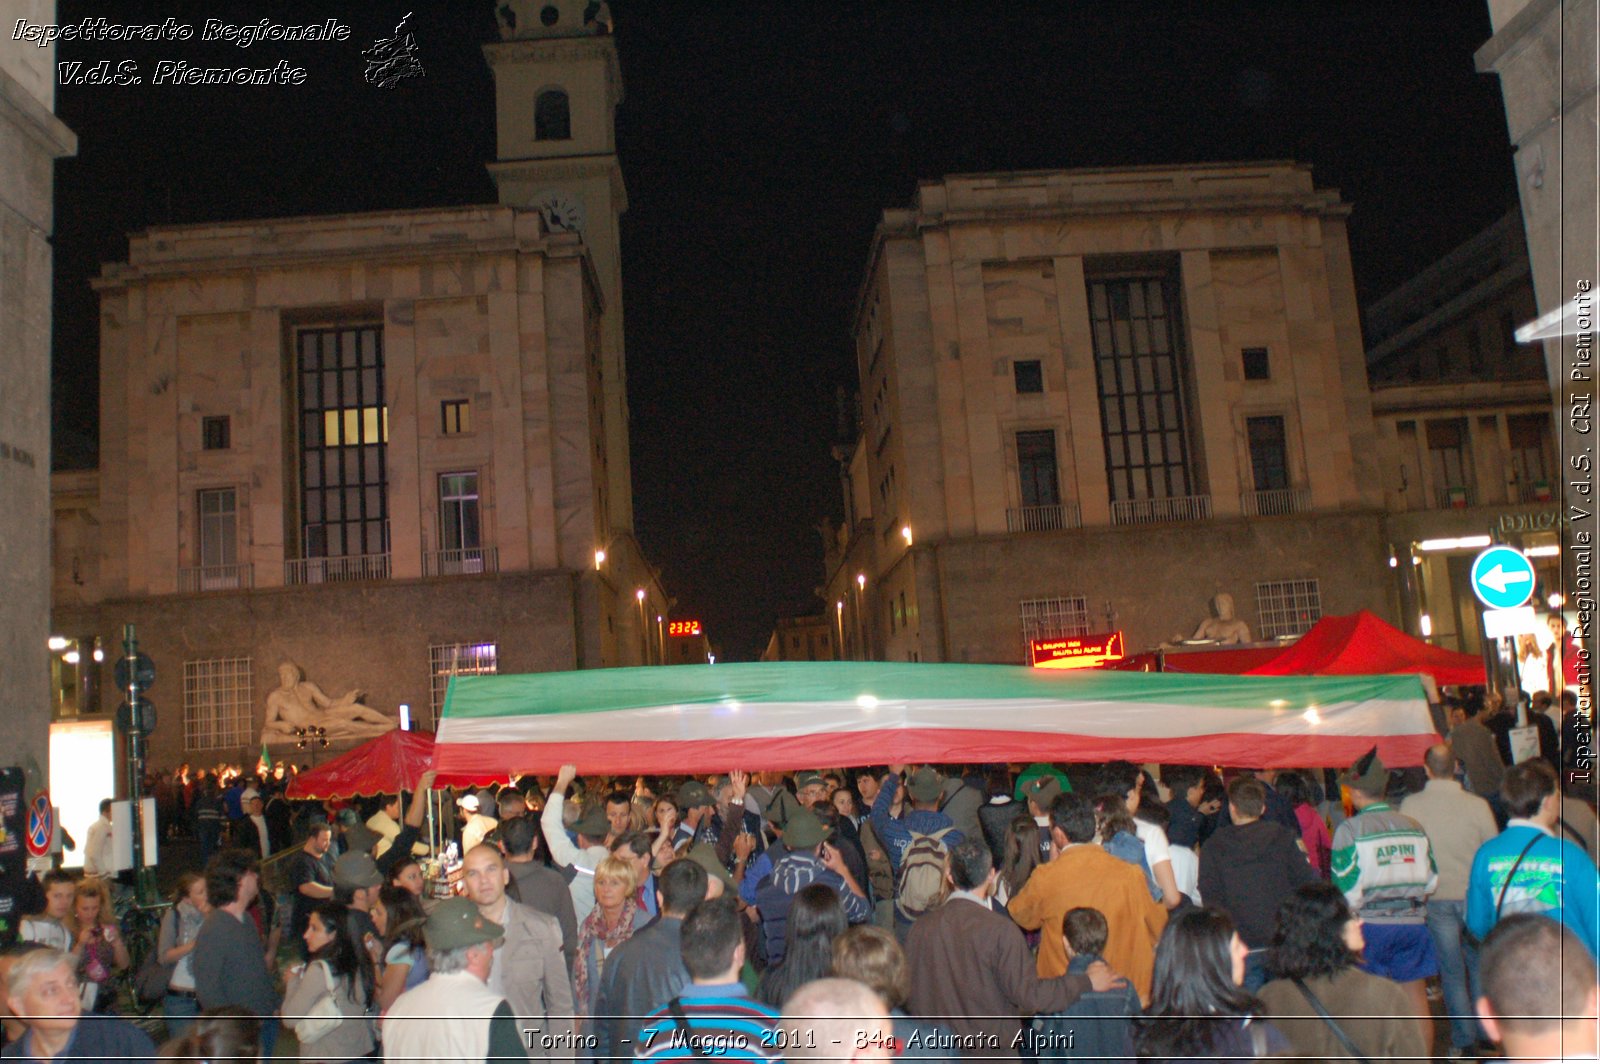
(683, 627)
(1077, 652)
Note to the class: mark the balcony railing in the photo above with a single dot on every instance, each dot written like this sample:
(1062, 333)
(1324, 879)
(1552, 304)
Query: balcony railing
(1275, 502)
(1043, 518)
(1455, 498)
(1534, 491)
(329, 570)
(1152, 511)
(459, 562)
(216, 578)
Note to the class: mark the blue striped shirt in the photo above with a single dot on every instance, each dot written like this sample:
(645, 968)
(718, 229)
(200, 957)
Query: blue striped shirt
(721, 1018)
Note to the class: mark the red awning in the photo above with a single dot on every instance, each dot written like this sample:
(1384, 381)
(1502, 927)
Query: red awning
(388, 764)
(1362, 645)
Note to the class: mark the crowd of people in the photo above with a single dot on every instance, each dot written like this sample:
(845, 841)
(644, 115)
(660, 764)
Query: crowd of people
(1089, 912)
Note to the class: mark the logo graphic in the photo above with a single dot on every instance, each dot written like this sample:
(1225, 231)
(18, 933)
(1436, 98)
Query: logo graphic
(391, 60)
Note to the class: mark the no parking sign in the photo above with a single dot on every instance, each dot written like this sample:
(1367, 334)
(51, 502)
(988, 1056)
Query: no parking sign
(41, 824)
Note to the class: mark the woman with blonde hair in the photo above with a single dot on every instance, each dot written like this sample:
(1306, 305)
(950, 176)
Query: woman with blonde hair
(612, 921)
(95, 939)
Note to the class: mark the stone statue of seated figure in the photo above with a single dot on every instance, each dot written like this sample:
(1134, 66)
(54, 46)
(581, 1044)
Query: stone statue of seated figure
(1224, 627)
(299, 703)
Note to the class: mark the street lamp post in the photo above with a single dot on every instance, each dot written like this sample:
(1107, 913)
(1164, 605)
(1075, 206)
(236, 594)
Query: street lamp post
(838, 608)
(644, 628)
(861, 632)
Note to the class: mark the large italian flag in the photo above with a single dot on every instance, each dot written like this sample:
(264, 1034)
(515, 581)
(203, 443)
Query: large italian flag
(712, 718)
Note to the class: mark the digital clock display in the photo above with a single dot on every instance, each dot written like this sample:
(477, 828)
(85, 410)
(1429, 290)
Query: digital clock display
(683, 628)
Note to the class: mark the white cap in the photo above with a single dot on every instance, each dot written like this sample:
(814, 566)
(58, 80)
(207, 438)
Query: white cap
(249, 793)
(468, 802)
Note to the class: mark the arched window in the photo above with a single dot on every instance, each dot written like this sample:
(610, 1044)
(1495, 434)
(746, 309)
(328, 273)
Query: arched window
(552, 116)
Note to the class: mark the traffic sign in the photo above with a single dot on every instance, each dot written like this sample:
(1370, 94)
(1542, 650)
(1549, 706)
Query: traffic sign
(1502, 578)
(41, 824)
(140, 668)
(145, 723)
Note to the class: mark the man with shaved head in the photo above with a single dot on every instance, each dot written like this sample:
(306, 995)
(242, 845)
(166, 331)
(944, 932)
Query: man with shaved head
(1457, 822)
(1539, 991)
(528, 970)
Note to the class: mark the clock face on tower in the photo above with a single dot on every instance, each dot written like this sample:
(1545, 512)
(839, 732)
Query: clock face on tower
(561, 210)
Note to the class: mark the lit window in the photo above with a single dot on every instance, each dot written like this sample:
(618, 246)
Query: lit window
(455, 417)
(459, 659)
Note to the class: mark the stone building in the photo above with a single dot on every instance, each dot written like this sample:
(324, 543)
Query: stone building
(1464, 428)
(31, 139)
(1545, 55)
(1095, 399)
(803, 639)
(382, 447)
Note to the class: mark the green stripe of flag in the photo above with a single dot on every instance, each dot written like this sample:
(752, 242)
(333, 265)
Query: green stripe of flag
(604, 690)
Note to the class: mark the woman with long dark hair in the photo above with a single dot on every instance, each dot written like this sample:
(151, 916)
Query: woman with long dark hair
(1199, 1008)
(1019, 857)
(340, 970)
(816, 918)
(1297, 791)
(1316, 953)
(399, 917)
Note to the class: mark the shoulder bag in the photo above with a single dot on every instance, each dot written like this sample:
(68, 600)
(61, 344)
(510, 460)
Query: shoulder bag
(675, 1006)
(324, 1014)
(151, 981)
(1466, 932)
(1338, 1032)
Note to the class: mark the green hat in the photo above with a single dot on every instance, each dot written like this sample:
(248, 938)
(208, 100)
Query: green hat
(781, 808)
(802, 780)
(455, 923)
(593, 823)
(693, 794)
(804, 830)
(1367, 775)
(925, 785)
(702, 854)
(355, 871)
(1044, 790)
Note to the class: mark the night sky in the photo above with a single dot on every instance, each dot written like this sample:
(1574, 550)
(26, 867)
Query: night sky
(760, 144)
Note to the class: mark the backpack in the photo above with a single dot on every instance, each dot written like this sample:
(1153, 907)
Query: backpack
(922, 868)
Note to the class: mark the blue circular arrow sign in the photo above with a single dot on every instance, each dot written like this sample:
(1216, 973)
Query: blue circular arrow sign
(1502, 578)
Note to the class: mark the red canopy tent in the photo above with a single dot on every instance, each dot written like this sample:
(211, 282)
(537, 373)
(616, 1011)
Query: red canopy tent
(1360, 644)
(388, 764)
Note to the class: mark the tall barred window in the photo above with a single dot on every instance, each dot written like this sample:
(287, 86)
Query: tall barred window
(1288, 607)
(459, 659)
(1053, 618)
(1139, 368)
(218, 704)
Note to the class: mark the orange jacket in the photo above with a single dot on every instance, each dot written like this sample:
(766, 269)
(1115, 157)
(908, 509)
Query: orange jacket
(1088, 877)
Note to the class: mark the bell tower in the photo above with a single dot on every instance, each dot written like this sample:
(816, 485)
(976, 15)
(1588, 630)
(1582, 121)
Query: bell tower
(557, 87)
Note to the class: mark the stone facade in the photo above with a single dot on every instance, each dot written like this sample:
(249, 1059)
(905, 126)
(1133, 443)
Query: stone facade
(803, 639)
(380, 446)
(1464, 429)
(31, 139)
(1545, 54)
(1007, 467)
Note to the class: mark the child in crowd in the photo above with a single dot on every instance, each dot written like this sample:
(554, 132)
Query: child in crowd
(1095, 1027)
